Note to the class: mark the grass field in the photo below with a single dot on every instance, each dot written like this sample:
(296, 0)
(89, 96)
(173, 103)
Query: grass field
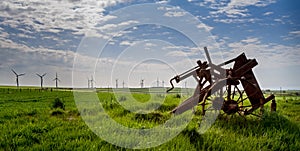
(49, 120)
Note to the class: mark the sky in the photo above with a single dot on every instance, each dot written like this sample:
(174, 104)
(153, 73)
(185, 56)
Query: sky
(130, 41)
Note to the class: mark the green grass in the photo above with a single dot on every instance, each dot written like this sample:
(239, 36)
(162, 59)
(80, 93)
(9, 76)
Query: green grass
(29, 121)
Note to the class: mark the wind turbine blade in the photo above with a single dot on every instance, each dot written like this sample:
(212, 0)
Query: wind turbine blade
(44, 74)
(38, 75)
(14, 72)
(21, 74)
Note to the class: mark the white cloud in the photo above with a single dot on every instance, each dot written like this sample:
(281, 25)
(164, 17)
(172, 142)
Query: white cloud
(251, 40)
(292, 35)
(49, 15)
(296, 33)
(172, 11)
(106, 31)
(34, 60)
(270, 55)
(22, 57)
(237, 20)
(127, 43)
(105, 3)
(24, 36)
(268, 13)
(176, 51)
(174, 14)
(162, 2)
(172, 8)
(4, 35)
(148, 44)
(231, 12)
(206, 27)
(279, 20)
(234, 10)
(284, 19)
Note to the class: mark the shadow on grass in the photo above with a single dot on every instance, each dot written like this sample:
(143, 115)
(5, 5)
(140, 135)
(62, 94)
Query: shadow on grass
(273, 129)
(259, 126)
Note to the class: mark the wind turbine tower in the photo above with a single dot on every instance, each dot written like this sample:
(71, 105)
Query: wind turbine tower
(116, 83)
(92, 82)
(88, 83)
(142, 83)
(17, 76)
(123, 84)
(157, 82)
(56, 80)
(42, 79)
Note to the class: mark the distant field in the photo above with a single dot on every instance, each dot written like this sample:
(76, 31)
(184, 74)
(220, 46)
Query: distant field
(33, 119)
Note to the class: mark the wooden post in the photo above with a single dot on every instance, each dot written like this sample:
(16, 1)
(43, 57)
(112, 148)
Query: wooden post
(273, 106)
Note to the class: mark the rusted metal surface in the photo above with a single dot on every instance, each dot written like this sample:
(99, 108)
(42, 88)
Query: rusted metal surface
(223, 89)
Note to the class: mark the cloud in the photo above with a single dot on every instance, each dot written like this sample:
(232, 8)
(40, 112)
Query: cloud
(53, 28)
(162, 1)
(251, 40)
(18, 54)
(106, 3)
(234, 10)
(271, 55)
(279, 20)
(172, 11)
(127, 43)
(50, 15)
(148, 44)
(296, 33)
(28, 59)
(114, 26)
(236, 20)
(174, 14)
(177, 51)
(268, 13)
(35, 26)
(206, 27)
(292, 35)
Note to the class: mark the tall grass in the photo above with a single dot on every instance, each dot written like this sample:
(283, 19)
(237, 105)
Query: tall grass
(27, 122)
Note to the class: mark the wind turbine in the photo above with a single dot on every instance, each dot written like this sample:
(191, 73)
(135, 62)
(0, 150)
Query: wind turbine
(88, 82)
(92, 82)
(17, 76)
(42, 79)
(116, 83)
(56, 80)
(142, 83)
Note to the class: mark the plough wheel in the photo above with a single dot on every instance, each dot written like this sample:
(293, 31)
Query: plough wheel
(225, 95)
